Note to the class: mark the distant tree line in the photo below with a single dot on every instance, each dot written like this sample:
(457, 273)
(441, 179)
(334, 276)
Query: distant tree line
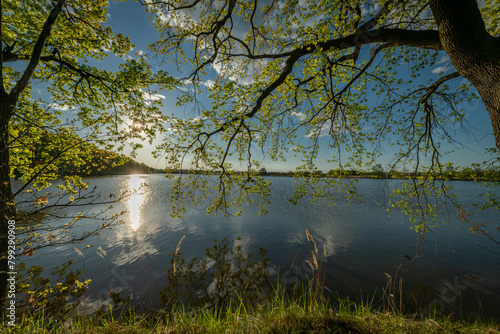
(116, 166)
(96, 161)
(473, 173)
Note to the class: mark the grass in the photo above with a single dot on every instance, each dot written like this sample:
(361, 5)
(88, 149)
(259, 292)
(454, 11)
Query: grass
(279, 315)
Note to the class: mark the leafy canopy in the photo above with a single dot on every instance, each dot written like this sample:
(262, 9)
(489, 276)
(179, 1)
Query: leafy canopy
(66, 107)
(297, 76)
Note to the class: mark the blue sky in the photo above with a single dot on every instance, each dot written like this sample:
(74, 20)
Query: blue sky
(130, 19)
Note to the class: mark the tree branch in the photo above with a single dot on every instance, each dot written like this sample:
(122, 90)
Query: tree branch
(432, 88)
(290, 62)
(169, 5)
(372, 23)
(37, 51)
(425, 39)
(49, 163)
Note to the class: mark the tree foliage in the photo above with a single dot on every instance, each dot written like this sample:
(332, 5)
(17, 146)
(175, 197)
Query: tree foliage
(61, 46)
(280, 76)
(354, 76)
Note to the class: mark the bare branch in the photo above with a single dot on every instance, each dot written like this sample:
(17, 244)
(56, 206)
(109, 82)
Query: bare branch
(432, 88)
(169, 5)
(425, 39)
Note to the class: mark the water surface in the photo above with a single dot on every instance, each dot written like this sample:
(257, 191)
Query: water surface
(455, 271)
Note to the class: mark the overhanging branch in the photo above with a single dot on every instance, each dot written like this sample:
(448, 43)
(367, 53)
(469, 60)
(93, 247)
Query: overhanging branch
(424, 39)
(432, 88)
(37, 51)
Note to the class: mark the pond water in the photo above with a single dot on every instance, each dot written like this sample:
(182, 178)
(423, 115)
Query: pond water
(455, 270)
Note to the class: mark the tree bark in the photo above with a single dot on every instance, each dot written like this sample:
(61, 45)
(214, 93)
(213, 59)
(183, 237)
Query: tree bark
(7, 209)
(472, 50)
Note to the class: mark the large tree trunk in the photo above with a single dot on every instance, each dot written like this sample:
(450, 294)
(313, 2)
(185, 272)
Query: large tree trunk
(474, 53)
(7, 209)
(490, 93)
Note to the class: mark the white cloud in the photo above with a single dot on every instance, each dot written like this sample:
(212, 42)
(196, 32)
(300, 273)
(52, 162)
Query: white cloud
(61, 107)
(227, 70)
(327, 129)
(300, 115)
(189, 81)
(208, 83)
(197, 119)
(152, 97)
(441, 69)
(444, 59)
(164, 17)
(171, 130)
(322, 131)
(445, 63)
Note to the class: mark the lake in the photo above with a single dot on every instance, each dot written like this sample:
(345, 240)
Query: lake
(455, 270)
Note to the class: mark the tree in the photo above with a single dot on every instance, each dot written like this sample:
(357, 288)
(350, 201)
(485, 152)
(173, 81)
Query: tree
(378, 171)
(466, 174)
(52, 42)
(283, 74)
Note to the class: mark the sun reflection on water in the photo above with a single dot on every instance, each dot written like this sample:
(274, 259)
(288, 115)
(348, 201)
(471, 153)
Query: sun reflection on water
(135, 202)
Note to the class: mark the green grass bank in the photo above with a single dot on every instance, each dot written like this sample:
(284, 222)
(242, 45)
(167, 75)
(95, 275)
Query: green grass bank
(280, 315)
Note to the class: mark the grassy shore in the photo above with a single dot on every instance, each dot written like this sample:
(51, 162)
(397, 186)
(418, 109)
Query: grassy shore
(280, 315)
(275, 309)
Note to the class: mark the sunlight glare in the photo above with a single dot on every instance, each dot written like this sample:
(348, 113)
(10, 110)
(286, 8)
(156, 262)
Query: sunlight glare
(135, 201)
